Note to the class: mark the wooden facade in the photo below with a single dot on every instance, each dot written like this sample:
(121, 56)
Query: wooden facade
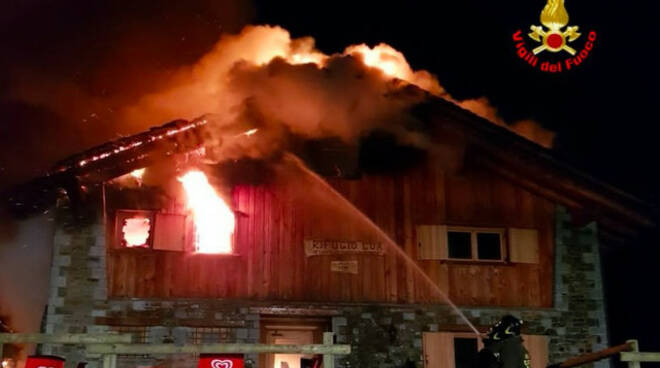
(274, 220)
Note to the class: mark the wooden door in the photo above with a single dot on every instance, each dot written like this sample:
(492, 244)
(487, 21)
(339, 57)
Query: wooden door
(439, 348)
(537, 346)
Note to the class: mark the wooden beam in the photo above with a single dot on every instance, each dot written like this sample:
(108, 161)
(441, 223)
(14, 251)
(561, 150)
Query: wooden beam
(110, 361)
(149, 321)
(635, 349)
(217, 348)
(328, 360)
(282, 311)
(640, 357)
(37, 338)
(595, 356)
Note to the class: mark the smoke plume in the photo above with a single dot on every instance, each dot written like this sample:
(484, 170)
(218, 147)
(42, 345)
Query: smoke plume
(262, 78)
(259, 78)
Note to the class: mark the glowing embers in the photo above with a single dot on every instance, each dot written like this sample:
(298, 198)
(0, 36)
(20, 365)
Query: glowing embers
(214, 220)
(135, 232)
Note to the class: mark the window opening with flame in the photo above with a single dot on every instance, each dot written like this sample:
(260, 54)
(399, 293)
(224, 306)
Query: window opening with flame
(214, 221)
(134, 228)
(136, 231)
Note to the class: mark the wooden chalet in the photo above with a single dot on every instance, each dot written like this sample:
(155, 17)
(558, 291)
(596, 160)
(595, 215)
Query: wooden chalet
(496, 222)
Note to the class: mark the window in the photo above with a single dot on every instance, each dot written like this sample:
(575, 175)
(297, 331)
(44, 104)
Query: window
(478, 244)
(460, 243)
(489, 246)
(210, 335)
(134, 228)
(140, 336)
(154, 230)
(139, 332)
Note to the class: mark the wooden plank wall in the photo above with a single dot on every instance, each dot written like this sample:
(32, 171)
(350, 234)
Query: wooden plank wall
(271, 264)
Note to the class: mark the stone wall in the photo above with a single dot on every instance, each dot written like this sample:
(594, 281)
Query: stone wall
(77, 282)
(380, 335)
(578, 292)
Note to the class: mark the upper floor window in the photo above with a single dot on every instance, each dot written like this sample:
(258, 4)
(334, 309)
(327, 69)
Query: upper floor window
(479, 244)
(475, 244)
(161, 231)
(134, 229)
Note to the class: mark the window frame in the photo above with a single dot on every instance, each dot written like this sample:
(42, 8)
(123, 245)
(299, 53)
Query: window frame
(474, 246)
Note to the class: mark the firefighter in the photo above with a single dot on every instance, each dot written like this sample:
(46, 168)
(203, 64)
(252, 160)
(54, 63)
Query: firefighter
(503, 347)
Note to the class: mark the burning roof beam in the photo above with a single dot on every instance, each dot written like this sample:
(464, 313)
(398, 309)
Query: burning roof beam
(105, 162)
(174, 137)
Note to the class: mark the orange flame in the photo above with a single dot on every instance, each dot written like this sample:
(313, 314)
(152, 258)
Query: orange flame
(250, 132)
(136, 231)
(394, 64)
(137, 173)
(214, 220)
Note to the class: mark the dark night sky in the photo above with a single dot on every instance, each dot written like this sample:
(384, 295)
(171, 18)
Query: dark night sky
(604, 112)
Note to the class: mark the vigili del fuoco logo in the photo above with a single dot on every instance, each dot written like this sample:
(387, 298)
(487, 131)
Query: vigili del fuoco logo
(554, 36)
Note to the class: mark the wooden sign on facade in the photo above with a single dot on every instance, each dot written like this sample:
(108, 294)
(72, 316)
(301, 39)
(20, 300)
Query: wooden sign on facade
(327, 247)
(344, 267)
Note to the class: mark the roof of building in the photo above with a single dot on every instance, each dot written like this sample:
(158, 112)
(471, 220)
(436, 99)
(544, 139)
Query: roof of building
(517, 159)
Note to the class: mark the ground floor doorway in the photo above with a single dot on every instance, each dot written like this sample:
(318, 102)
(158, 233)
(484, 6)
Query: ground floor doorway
(458, 350)
(284, 331)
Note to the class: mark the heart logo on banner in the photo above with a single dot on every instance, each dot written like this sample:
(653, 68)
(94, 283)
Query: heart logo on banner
(221, 363)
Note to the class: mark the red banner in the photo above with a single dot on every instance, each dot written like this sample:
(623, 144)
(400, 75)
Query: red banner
(220, 361)
(44, 361)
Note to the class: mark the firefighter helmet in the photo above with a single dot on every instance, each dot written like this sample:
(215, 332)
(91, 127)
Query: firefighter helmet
(506, 327)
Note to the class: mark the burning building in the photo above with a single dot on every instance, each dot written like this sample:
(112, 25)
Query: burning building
(245, 227)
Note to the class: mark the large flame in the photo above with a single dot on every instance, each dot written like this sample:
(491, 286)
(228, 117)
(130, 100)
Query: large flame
(393, 63)
(214, 220)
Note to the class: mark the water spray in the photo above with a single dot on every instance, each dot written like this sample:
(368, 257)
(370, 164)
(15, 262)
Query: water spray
(391, 243)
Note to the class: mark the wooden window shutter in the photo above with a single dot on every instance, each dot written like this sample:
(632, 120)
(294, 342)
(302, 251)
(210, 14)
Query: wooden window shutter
(170, 232)
(432, 242)
(523, 245)
(537, 346)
